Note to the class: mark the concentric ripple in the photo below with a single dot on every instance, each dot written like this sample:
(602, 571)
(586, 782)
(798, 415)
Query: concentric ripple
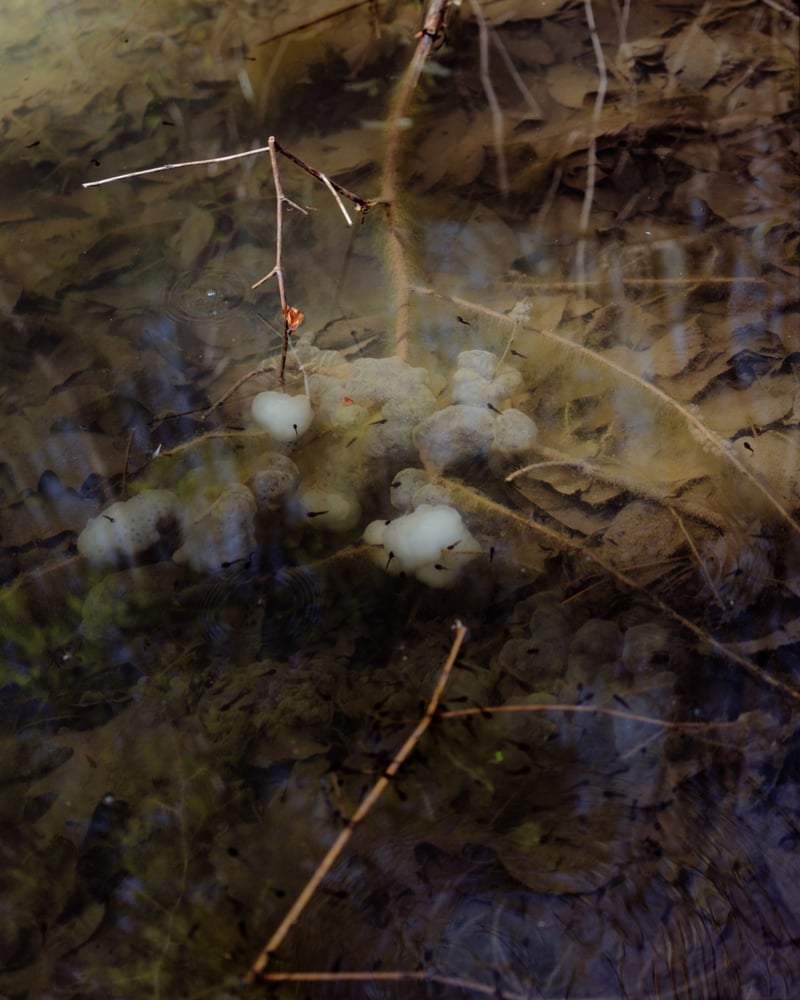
(212, 292)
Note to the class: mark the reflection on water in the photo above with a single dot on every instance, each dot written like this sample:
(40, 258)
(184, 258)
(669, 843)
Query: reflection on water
(205, 668)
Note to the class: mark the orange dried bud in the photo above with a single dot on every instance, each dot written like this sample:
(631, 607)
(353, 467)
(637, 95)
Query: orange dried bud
(347, 401)
(292, 317)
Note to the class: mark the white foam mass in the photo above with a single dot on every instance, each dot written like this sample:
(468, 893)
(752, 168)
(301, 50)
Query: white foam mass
(432, 543)
(285, 417)
(222, 534)
(127, 527)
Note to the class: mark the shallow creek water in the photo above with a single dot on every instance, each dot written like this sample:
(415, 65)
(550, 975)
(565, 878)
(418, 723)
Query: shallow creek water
(603, 385)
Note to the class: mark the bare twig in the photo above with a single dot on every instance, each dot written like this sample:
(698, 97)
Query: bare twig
(363, 810)
(698, 557)
(395, 976)
(363, 205)
(176, 166)
(567, 709)
(315, 21)
(235, 388)
(786, 11)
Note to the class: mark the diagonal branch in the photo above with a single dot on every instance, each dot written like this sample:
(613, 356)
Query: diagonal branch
(363, 810)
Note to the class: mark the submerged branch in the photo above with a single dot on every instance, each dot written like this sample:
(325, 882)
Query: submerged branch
(363, 810)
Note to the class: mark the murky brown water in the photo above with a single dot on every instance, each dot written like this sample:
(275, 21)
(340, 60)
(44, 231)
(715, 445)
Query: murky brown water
(194, 699)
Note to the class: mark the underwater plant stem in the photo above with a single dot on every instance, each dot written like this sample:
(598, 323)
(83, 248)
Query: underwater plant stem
(363, 810)
(397, 253)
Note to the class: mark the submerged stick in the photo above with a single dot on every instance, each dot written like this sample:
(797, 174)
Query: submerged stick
(393, 976)
(363, 810)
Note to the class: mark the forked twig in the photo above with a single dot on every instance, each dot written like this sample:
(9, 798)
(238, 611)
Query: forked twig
(291, 317)
(277, 270)
(363, 810)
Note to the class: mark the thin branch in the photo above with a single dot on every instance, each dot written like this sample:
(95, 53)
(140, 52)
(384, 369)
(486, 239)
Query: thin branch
(176, 166)
(223, 399)
(791, 14)
(363, 810)
(314, 21)
(698, 557)
(363, 205)
(567, 709)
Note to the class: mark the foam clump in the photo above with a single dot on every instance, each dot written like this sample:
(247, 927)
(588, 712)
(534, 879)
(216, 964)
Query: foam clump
(514, 433)
(128, 528)
(411, 488)
(480, 379)
(431, 543)
(286, 418)
(326, 507)
(454, 436)
(221, 534)
(273, 483)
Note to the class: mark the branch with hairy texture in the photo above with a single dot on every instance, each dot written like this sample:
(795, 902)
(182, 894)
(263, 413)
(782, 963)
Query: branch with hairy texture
(398, 122)
(380, 786)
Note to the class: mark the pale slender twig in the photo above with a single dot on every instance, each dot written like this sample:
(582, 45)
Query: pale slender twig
(567, 709)
(513, 72)
(335, 193)
(391, 977)
(698, 557)
(591, 156)
(363, 810)
(176, 166)
(793, 15)
(362, 204)
(491, 97)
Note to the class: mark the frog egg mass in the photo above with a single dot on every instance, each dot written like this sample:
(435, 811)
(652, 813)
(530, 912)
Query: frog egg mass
(431, 543)
(363, 429)
(285, 417)
(128, 528)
